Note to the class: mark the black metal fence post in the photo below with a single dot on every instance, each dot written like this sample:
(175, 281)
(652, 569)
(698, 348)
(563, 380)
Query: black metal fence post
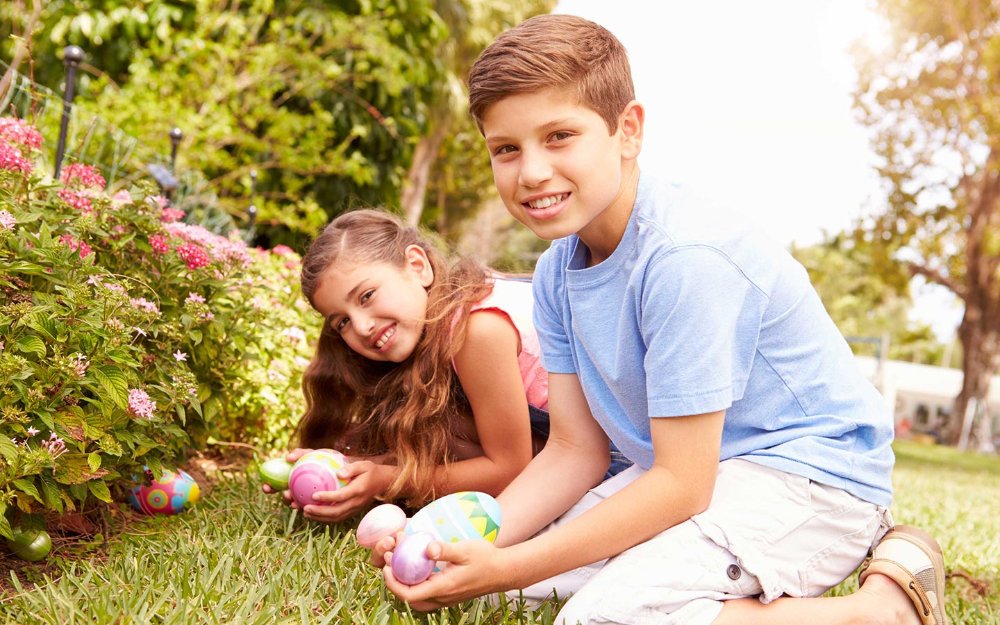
(176, 134)
(72, 56)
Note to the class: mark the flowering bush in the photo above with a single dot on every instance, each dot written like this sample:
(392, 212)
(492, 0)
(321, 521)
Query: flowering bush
(128, 337)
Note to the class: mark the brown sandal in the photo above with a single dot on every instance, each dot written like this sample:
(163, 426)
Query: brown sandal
(912, 559)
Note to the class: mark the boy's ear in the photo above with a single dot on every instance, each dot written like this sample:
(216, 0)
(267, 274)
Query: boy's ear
(630, 123)
(418, 262)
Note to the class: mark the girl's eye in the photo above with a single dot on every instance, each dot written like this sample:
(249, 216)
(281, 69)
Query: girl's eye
(340, 324)
(504, 149)
(367, 295)
(561, 135)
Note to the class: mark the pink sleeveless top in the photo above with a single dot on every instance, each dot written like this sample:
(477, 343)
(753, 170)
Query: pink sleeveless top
(513, 300)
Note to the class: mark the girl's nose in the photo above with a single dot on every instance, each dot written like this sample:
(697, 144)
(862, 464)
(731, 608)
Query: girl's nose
(535, 168)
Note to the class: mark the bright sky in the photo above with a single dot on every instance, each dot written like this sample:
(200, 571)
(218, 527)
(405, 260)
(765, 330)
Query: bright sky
(751, 103)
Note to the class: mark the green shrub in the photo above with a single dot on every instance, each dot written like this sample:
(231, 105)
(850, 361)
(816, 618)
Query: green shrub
(128, 337)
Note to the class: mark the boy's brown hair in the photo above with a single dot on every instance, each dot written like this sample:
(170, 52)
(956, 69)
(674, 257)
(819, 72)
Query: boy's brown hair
(554, 51)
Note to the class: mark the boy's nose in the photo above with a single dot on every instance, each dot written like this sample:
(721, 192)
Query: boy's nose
(535, 169)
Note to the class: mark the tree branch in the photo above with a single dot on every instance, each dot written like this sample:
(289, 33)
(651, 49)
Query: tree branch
(935, 276)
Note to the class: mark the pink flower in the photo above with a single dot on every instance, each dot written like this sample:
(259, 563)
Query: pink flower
(11, 159)
(159, 201)
(75, 245)
(20, 132)
(194, 256)
(86, 175)
(194, 298)
(121, 198)
(282, 250)
(76, 200)
(7, 221)
(170, 215)
(32, 431)
(159, 244)
(139, 403)
(144, 304)
(55, 446)
(180, 356)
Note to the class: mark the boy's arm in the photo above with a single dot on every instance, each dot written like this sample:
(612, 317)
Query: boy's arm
(677, 486)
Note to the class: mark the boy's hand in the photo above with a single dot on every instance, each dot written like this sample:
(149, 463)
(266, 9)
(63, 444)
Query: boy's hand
(474, 568)
(363, 485)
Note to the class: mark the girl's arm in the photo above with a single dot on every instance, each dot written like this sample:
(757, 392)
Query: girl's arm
(488, 370)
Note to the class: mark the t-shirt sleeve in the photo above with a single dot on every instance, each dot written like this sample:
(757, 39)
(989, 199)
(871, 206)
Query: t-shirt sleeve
(700, 322)
(549, 318)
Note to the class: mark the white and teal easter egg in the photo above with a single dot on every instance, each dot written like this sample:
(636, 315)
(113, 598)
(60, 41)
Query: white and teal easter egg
(459, 516)
(173, 492)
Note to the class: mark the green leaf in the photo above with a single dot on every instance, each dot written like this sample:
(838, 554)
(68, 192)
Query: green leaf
(28, 486)
(5, 529)
(94, 460)
(50, 492)
(7, 449)
(113, 381)
(31, 344)
(100, 490)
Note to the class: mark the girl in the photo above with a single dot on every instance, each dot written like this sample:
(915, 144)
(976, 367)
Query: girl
(425, 393)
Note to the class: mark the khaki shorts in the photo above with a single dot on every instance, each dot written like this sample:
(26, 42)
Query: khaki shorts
(766, 534)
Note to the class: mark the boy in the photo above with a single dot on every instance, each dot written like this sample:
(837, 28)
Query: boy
(763, 458)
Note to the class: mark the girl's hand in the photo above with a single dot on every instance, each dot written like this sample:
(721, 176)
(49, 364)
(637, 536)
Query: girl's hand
(290, 458)
(364, 484)
(474, 568)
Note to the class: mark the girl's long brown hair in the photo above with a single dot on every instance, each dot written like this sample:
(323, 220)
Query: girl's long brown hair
(408, 410)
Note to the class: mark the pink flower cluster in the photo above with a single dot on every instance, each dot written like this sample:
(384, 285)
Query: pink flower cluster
(220, 248)
(194, 298)
(83, 176)
(159, 244)
(194, 255)
(55, 446)
(76, 245)
(77, 200)
(139, 404)
(144, 304)
(7, 221)
(170, 215)
(19, 132)
(11, 159)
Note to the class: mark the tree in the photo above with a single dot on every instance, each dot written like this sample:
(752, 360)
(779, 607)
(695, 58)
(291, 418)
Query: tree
(472, 26)
(868, 300)
(931, 102)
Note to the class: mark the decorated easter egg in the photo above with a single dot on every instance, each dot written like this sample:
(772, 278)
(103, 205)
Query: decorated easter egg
(459, 516)
(173, 492)
(274, 473)
(410, 563)
(381, 521)
(314, 472)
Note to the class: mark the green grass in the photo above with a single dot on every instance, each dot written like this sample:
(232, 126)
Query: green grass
(240, 557)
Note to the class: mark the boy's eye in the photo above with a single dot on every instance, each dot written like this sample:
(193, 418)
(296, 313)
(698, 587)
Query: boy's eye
(561, 135)
(504, 149)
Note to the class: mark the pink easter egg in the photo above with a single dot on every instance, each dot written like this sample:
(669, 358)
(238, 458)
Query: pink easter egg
(314, 472)
(410, 563)
(172, 493)
(381, 521)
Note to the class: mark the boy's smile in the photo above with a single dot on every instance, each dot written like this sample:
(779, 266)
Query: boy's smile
(558, 169)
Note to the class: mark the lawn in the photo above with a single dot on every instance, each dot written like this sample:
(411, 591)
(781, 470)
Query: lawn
(240, 557)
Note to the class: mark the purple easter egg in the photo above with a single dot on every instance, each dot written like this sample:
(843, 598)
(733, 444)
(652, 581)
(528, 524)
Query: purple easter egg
(381, 521)
(410, 564)
(314, 472)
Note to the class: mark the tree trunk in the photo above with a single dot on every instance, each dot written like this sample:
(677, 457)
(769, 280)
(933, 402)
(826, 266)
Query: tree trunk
(415, 187)
(980, 336)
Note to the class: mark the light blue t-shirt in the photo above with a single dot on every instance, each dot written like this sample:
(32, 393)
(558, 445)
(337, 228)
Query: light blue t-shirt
(693, 313)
